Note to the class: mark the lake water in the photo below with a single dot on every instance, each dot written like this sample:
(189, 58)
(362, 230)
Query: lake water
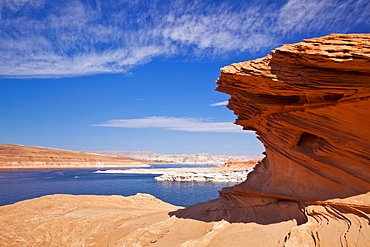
(21, 184)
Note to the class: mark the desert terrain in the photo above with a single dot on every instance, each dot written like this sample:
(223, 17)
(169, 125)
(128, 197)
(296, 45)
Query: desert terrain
(21, 156)
(309, 103)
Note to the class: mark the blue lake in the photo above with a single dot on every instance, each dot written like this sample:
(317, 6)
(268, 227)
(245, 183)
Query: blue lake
(21, 184)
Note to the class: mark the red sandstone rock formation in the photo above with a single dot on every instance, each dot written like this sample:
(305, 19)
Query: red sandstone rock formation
(240, 164)
(19, 156)
(309, 104)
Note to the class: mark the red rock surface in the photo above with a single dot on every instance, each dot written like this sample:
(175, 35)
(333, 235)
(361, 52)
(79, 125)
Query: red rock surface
(84, 220)
(309, 104)
(240, 164)
(140, 220)
(19, 156)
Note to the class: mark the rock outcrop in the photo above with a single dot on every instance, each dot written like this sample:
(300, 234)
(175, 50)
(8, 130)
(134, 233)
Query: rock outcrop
(20, 156)
(140, 220)
(68, 220)
(241, 164)
(309, 103)
(209, 176)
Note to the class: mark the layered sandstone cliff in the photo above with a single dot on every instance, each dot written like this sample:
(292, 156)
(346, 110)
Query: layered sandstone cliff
(309, 103)
(20, 156)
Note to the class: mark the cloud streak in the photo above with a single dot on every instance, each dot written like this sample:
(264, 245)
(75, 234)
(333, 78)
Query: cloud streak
(220, 103)
(79, 37)
(173, 123)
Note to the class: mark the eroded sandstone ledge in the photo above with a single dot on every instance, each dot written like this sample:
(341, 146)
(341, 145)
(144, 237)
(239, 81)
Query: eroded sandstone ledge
(140, 220)
(309, 104)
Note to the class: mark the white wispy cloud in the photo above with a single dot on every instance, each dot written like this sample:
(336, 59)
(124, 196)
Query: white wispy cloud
(79, 37)
(174, 123)
(220, 103)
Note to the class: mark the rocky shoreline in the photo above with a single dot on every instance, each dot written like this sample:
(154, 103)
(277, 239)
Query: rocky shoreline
(205, 176)
(211, 174)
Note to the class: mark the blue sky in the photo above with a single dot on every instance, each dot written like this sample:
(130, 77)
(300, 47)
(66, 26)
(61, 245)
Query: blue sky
(140, 75)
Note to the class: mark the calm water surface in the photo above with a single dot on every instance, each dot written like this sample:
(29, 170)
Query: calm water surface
(21, 184)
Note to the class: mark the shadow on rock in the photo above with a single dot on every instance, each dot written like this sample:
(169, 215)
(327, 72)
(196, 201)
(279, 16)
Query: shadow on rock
(238, 211)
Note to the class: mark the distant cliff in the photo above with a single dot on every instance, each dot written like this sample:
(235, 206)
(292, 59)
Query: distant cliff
(200, 158)
(20, 156)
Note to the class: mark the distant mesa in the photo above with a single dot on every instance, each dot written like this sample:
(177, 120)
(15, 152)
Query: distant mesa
(200, 158)
(20, 156)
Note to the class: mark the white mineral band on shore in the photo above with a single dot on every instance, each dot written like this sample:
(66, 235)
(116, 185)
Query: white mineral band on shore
(190, 174)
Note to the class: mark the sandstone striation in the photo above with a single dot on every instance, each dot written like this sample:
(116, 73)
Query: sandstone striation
(309, 104)
(19, 156)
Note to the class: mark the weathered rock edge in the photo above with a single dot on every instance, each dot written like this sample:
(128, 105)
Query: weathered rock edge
(309, 104)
